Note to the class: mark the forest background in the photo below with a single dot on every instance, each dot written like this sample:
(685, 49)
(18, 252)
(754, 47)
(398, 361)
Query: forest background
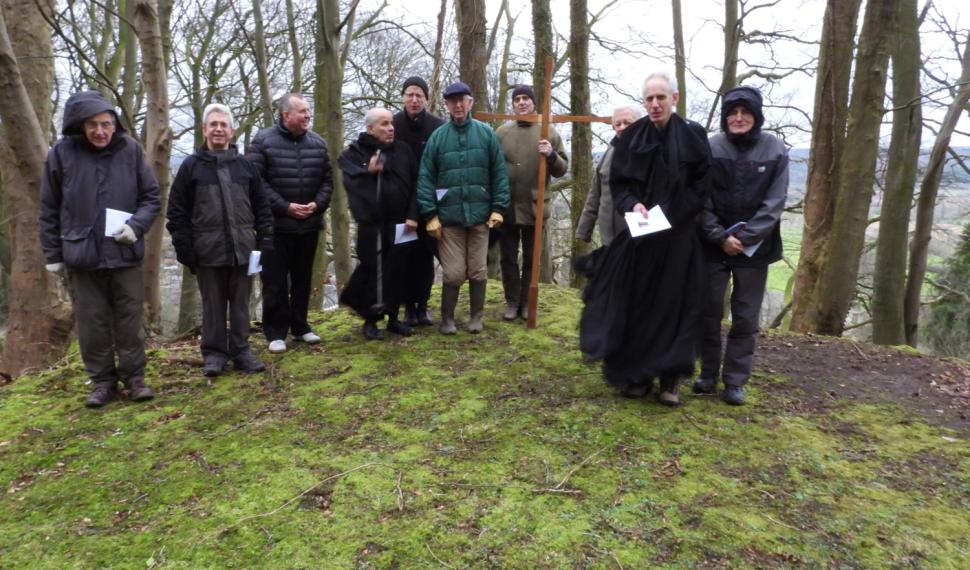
(877, 239)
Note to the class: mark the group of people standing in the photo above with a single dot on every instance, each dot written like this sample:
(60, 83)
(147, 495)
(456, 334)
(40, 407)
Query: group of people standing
(420, 187)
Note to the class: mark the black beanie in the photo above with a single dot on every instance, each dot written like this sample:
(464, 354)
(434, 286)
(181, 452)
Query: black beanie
(750, 99)
(524, 90)
(415, 80)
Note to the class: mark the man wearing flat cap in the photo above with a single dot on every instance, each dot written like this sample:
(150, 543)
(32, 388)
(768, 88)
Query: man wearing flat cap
(462, 191)
(523, 150)
(413, 126)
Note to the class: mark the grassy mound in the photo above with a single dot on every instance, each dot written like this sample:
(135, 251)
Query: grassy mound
(498, 450)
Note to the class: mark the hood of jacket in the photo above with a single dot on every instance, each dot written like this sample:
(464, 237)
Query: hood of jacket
(82, 106)
(750, 99)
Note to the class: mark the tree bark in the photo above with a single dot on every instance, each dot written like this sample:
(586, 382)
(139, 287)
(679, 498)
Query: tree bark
(262, 74)
(542, 37)
(296, 56)
(828, 138)
(581, 162)
(889, 282)
(470, 16)
(837, 283)
(929, 188)
(39, 324)
(680, 61)
(438, 59)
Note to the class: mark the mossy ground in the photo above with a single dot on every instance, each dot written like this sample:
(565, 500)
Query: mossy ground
(499, 450)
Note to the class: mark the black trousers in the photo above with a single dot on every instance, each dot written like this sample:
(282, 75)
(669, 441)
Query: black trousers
(286, 278)
(107, 312)
(747, 292)
(222, 288)
(516, 284)
(419, 272)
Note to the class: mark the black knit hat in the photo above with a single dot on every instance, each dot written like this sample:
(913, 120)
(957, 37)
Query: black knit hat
(415, 80)
(524, 90)
(750, 99)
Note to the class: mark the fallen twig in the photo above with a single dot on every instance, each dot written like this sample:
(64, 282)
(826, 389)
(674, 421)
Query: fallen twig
(578, 467)
(239, 426)
(435, 556)
(400, 494)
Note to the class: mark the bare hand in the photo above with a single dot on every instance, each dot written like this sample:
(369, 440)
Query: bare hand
(638, 207)
(298, 211)
(545, 147)
(732, 246)
(311, 208)
(375, 165)
(410, 225)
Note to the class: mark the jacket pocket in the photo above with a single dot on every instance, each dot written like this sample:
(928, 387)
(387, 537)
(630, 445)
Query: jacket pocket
(79, 248)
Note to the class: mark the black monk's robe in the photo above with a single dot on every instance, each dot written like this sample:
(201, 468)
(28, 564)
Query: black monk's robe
(378, 202)
(644, 295)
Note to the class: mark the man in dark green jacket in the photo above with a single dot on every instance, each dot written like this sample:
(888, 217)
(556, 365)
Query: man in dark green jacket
(462, 191)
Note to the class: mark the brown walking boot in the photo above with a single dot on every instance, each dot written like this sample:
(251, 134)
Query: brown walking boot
(668, 395)
(102, 393)
(138, 391)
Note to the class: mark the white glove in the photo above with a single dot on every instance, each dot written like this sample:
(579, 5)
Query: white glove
(55, 267)
(124, 235)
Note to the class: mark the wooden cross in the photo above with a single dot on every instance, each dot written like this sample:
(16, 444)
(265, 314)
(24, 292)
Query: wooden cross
(544, 120)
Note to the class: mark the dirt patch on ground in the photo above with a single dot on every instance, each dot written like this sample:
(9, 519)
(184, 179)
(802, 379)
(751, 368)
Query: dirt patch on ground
(827, 370)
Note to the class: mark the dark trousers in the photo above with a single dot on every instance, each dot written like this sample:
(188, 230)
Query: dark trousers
(221, 287)
(516, 284)
(107, 311)
(419, 274)
(747, 292)
(286, 277)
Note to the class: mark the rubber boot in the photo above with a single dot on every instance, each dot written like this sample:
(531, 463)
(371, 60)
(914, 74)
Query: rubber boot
(449, 298)
(477, 294)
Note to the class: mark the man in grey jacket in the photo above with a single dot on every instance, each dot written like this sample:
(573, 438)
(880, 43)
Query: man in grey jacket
(99, 198)
(741, 230)
(598, 209)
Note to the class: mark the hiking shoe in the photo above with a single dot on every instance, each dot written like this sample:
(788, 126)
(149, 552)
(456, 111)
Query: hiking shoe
(277, 346)
(424, 317)
(525, 312)
(138, 391)
(410, 316)
(397, 327)
(309, 338)
(246, 362)
(371, 332)
(704, 386)
(669, 389)
(213, 366)
(102, 393)
(733, 395)
(511, 312)
(637, 390)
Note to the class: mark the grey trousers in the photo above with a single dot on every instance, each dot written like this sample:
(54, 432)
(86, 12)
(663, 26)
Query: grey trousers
(223, 287)
(107, 312)
(463, 253)
(746, 295)
(516, 284)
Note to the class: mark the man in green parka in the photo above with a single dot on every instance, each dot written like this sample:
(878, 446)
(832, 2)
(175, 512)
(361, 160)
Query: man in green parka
(524, 148)
(462, 191)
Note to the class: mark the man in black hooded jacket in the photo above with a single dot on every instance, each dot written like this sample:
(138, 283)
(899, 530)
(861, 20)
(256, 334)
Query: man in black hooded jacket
(742, 236)
(99, 198)
(379, 176)
(218, 215)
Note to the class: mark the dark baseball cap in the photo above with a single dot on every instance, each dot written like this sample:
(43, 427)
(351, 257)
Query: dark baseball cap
(457, 88)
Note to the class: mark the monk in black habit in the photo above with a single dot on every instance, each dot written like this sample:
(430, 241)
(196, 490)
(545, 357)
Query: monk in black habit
(644, 295)
(378, 173)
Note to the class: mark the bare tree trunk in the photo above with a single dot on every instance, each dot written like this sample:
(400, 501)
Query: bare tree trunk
(262, 74)
(438, 61)
(39, 324)
(158, 143)
(581, 162)
(502, 97)
(472, 60)
(542, 36)
(828, 138)
(680, 61)
(889, 282)
(837, 283)
(929, 188)
(328, 120)
(296, 57)
(729, 67)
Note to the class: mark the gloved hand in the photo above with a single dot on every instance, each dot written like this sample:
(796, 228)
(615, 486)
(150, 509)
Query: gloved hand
(55, 267)
(495, 220)
(124, 235)
(434, 227)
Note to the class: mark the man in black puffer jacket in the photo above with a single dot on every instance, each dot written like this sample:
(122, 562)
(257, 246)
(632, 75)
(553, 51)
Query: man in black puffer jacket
(293, 161)
(95, 167)
(740, 227)
(218, 215)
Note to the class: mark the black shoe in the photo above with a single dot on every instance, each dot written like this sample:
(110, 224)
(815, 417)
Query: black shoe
(424, 317)
(410, 316)
(102, 393)
(246, 362)
(705, 386)
(371, 332)
(139, 392)
(397, 327)
(669, 392)
(733, 395)
(637, 390)
(213, 366)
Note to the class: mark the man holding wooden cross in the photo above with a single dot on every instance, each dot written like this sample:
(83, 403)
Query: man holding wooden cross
(524, 148)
